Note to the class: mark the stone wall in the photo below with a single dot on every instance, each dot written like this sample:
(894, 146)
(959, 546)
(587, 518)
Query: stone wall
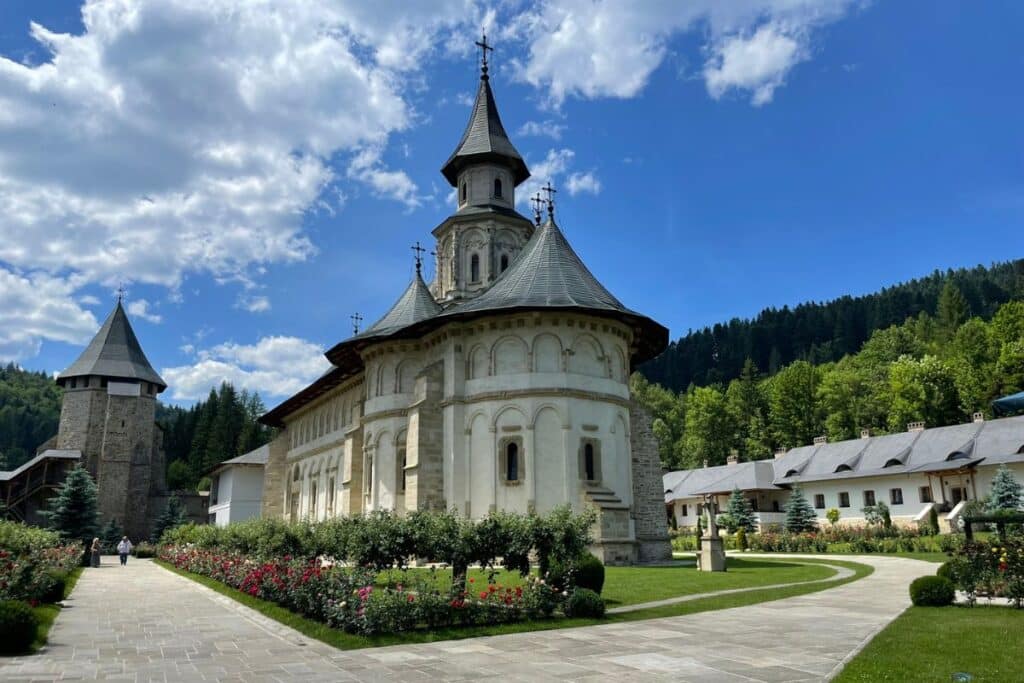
(650, 520)
(425, 480)
(274, 477)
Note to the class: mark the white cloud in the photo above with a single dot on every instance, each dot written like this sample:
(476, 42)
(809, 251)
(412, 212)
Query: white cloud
(274, 366)
(551, 168)
(609, 48)
(583, 182)
(546, 128)
(35, 306)
(366, 166)
(140, 308)
(254, 304)
(757, 63)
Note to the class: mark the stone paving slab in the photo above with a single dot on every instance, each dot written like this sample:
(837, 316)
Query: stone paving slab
(143, 623)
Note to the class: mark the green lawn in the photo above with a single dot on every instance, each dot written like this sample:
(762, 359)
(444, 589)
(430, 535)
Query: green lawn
(48, 613)
(934, 643)
(633, 585)
(758, 573)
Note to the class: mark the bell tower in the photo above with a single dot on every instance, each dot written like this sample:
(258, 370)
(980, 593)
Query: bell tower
(485, 234)
(108, 414)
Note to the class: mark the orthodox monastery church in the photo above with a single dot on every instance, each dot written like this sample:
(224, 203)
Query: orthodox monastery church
(501, 385)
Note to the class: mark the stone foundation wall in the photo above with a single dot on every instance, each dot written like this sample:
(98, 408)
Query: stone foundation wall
(649, 517)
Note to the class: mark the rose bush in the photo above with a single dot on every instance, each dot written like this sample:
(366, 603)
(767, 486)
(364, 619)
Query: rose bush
(30, 559)
(990, 568)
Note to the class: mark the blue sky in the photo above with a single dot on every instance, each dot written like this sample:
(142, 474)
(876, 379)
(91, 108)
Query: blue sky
(258, 174)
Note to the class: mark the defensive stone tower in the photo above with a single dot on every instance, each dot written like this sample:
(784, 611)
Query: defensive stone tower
(108, 415)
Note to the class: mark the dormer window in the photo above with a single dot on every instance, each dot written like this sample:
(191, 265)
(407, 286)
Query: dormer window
(844, 468)
(497, 188)
(893, 462)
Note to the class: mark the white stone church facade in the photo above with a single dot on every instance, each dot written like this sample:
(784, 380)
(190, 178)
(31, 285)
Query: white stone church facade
(501, 385)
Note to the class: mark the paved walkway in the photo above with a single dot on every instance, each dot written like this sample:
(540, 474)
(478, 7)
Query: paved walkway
(143, 623)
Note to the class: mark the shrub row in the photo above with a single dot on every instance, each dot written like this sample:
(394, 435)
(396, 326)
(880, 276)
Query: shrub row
(34, 563)
(856, 540)
(383, 539)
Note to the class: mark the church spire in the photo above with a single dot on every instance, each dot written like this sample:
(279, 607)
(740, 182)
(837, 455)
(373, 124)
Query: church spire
(485, 139)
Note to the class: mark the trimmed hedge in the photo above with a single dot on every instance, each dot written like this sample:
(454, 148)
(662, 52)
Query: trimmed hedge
(18, 625)
(590, 573)
(585, 603)
(932, 591)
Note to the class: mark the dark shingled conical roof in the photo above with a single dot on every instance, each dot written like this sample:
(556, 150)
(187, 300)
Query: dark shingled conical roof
(114, 353)
(415, 304)
(485, 139)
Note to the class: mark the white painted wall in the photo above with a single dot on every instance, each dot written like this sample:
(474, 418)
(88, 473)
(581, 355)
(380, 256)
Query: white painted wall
(239, 492)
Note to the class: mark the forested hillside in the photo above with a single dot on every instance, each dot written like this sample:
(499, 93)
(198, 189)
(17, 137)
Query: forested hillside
(937, 368)
(823, 332)
(210, 432)
(195, 439)
(29, 412)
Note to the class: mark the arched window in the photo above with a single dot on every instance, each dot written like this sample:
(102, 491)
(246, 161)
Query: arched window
(504, 262)
(588, 461)
(312, 499)
(512, 461)
(474, 268)
(497, 187)
(403, 461)
(462, 195)
(892, 462)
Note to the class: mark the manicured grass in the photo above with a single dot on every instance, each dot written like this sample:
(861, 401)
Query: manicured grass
(634, 585)
(933, 643)
(48, 613)
(345, 641)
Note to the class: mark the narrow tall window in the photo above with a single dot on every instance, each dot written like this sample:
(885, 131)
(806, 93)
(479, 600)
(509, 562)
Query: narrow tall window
(312, 499)
(588, 461)
(462, 196)
(504, 262)
(402, 459)
(683, 510)
(512, 462)
(497, 187)
(474, 268)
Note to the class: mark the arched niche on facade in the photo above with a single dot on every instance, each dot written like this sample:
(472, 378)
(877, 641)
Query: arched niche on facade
(510, 356)
(547, 353)
(587, 357)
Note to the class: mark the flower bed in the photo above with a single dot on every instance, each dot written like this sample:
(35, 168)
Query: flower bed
(346, 597)
(30, 561)
(990, 568)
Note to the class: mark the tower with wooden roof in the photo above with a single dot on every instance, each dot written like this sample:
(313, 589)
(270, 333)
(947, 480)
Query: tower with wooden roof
(108, 415)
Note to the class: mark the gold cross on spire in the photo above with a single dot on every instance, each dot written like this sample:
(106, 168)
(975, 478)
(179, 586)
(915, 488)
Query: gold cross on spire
(484, 49)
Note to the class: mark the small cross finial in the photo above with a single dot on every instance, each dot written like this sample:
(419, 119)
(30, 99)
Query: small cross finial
(537, 202)
(550, 192)
(484, 49)
(356, 319)
(121, 292)
(418, 251)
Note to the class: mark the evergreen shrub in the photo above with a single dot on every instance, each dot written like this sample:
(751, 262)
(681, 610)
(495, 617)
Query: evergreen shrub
(144, 550)
(947, 570)
(583, 602)
(932, 591)
(18, 625)
(52, 585)
(590, 573)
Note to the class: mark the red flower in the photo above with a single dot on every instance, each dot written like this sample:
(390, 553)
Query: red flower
(472, 580)
(483, 595)
(412, 598)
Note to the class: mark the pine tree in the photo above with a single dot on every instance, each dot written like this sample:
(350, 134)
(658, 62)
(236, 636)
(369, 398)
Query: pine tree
(110, 536)
(952, 311)
(799, 513)
(741, 514)
(1006, 491)
(73, 511)
(172, 516)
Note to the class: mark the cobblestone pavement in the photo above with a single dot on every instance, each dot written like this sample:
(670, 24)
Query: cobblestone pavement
(143, 623)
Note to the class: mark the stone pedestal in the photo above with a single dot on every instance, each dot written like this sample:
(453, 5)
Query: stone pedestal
(711, 557)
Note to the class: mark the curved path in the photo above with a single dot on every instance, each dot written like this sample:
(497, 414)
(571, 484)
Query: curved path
(143, 623)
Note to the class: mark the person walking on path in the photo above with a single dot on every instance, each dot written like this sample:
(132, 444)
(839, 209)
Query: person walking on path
(95, 552)
(123, 549)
